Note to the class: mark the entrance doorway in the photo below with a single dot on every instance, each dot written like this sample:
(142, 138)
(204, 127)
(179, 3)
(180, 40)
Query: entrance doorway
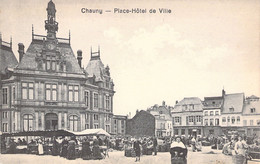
(51, 121)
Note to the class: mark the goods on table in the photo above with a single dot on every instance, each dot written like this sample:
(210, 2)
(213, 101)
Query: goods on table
(254, 151)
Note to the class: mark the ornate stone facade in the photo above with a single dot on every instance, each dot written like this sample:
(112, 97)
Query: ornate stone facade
(48, 89)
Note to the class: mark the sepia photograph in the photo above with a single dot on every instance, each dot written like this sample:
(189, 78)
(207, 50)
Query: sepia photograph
(129, 81)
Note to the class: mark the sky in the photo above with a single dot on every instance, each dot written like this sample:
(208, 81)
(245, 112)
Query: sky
(198, 49)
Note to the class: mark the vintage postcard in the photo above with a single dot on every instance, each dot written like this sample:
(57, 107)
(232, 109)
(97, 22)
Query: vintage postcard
(130, 81)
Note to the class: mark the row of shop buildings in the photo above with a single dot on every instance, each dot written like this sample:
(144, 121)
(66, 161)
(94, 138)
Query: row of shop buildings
(48, 89)
(225, 114)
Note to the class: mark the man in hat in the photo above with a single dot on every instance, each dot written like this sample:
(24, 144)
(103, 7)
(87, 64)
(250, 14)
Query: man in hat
(155, 143)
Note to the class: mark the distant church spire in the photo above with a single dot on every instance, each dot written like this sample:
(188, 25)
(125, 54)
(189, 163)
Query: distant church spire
(50, 24)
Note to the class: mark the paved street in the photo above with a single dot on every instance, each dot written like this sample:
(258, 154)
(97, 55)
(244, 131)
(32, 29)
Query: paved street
(117, 157)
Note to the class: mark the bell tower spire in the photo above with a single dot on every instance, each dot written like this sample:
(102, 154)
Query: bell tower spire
(50, 24)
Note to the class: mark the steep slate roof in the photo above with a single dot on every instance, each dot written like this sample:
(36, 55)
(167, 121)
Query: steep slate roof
(253, 97)
(188, 101)
(7, 58)
(156, 111)
(28, 61)
(235, 101)
(96, 68)
(251, 104)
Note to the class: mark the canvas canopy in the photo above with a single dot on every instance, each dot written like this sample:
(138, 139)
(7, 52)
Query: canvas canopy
(91, 132)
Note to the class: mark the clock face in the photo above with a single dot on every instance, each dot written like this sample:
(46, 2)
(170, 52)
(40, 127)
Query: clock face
(50, 46)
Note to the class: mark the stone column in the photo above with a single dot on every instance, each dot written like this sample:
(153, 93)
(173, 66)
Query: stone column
(43, 121)
(36, 120)
(18, 121)
(59, 121)
(65, 121)
(82, 121)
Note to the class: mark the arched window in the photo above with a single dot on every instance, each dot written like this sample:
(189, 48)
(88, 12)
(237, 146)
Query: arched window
(27, 122)
(73, 120)
(238, 119)
(233, 120)
(223, 119)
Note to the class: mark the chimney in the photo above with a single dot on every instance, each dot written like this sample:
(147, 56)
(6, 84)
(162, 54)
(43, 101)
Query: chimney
(20, 51)
(79, 57)
(163, 103)
(223, 92)
(176, 102)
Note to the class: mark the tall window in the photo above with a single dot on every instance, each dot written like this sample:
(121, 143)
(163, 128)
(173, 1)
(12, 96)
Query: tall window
(217, 113)
(211, 122)
(211, 113)
(228, 119)
(95, 117)
(233, 120)
(51, 92)
(252, 110)
(107, 102)
(216, 121)
(95, 126)
(4, 114)
(86, 98)
(244, 122)
(73, 93)
(182, 131)
(251, 122)
(14, 94)
(27, 122)
(177, 119)
(198, 118)
(238, 119)
(73, 122)
(4, 95)
(206, 122)
(5, 127)
(191, 118)
(223, 119)
(27, 91)
(108, 128)
(95, 100)
(176, 131)
(51, 63)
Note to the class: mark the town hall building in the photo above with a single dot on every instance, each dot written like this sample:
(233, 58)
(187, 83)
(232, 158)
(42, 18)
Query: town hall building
(48, 89)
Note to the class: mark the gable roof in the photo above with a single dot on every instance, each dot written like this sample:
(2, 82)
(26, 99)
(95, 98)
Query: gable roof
(235, 101)
(251, 104)
(7, 58)
(28, 61)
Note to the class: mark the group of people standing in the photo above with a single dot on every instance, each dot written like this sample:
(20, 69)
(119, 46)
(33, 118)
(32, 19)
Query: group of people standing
(237, 147)
(138, 144)
(66, 147)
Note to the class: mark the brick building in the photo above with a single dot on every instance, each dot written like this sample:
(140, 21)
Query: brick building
(48, 89)
(142, 124)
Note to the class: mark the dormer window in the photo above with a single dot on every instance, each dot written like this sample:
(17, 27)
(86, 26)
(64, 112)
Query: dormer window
(231, 109)
(252, 110)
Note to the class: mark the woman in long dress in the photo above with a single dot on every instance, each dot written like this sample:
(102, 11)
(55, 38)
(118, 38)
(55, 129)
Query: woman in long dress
(86, 151)
(64, 148)
(96, 150)
(55, 147)
(40, 147)
(137, 148)
(71, 149)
